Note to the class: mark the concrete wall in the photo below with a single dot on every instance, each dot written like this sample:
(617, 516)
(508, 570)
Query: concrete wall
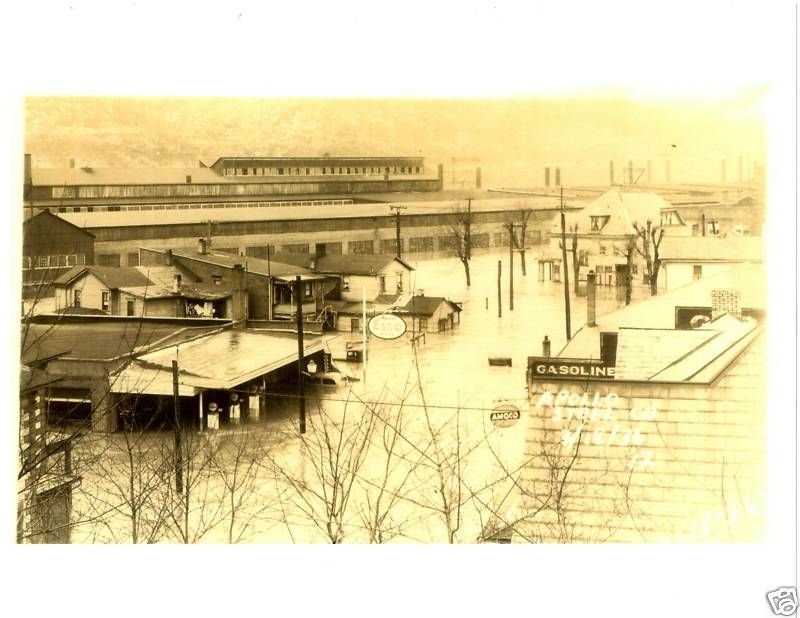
(653, 462)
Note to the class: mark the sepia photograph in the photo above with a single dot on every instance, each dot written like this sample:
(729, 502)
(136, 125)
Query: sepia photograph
(486, 308)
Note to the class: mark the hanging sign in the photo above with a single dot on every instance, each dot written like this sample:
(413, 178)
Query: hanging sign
(504, 415)
(387, 326)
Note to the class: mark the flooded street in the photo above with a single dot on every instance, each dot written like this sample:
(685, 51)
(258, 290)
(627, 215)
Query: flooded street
(454, 365)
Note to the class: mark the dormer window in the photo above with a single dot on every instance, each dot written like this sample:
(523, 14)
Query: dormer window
(597, 222)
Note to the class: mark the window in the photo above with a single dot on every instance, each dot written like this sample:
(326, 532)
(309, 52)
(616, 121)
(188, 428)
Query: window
(416, 245)
(111, 259)
(345, 284)
(308, 171)
(695, 229)
(280, 171)
(355, 325)
(42, 261)
(423, 324)
(597, 222)
(360, 247)
(80, 259)
(697, 271)
(76, 298)
(26, 262)
(602, 250)
(382, 284)
(133, 259)
(105, 303)
(129, 307)
(216, 279)
(583, 257)
(634, 269)
(308, 290)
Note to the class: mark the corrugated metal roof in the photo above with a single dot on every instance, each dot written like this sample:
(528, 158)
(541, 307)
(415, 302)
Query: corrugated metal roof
(293, 213)
(219, 361)
(103, 338)
(123, 176)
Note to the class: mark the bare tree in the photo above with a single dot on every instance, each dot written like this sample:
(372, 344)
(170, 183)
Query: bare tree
(460, 233)
(650, 236)
(519, 242)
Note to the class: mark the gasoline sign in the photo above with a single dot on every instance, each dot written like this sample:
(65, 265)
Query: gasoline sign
(504, 415)
(387, 326)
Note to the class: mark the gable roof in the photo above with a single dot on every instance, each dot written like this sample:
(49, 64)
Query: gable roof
(426, 305)
(351, 264)
(114, 277)
(61, 221)
(253, 265)
(623, 209)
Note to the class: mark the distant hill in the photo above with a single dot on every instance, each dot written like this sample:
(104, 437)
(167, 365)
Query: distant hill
(514, 139)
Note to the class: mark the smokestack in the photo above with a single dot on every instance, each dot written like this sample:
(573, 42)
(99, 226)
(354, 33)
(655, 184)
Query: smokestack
(649, 173)
(72, 164)
(591, 299)
(28, 176)
(741, 169)
(169, 257)
(478, 178)
(666, 171)
(201, 246)
(723, 170)
(546, 347)
(630, 172)
(558, 176)
(547, 177)
(611, 173)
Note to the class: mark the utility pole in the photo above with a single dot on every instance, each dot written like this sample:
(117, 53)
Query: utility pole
(397, 210)
(566, 268)
(300, 368)
(177, 431)
(269, 286)
(468, 230)
(511, 247)
(499, 294)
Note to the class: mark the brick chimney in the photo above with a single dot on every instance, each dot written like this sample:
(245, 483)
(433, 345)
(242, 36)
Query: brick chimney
(547, 177)
(239, 305)
(591, 299)
(558, 176)
(726, 301)
(478, 178)
(201, 246)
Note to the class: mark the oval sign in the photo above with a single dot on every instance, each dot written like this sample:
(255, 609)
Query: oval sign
(387, 326)
(504, 415)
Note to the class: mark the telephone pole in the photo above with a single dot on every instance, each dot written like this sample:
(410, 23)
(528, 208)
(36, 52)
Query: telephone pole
(468, 230)
(177, 430)
(564, 263)
(397, 210)
(511, 244)
(300, 367)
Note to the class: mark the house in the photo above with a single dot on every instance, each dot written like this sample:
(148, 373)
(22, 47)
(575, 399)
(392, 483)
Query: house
(359, 275)
(50, 247)
(684, 260)
(144, 291)
(269, 284)
(657, 432)
(428, 314)
(602, 233)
